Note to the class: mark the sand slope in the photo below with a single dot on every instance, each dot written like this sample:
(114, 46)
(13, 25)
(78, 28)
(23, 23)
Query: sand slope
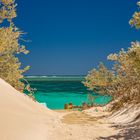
(21, 118)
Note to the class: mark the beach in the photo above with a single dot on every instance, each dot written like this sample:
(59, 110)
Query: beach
(81, 80)
(22, 118)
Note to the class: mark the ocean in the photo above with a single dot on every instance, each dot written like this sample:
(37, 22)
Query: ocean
(55, 91)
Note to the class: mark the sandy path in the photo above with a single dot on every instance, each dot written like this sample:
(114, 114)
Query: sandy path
(79, 125)
(93, 125)
(79, 118)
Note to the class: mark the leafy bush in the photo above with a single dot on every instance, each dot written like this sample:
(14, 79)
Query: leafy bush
(10, 35)
(123, 81)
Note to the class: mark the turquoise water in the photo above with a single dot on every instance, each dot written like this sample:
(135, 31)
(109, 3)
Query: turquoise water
(55, 91)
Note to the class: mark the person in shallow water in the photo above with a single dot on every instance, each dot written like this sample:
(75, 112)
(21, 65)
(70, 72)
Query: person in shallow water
(68, 106)
(71, 106)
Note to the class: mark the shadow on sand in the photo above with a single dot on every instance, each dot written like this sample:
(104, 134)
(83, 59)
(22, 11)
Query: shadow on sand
(129, 132)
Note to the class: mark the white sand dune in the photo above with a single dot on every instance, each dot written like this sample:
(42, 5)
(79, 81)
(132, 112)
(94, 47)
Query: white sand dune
(21, 118)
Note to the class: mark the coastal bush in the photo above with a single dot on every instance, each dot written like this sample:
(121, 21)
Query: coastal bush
(10, 47)
(127, 72)
(122, 82)
(98, 80)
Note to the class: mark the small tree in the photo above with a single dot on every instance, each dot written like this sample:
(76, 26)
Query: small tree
(10, 35)
(99, 80)
(123, 82)
(127, 71)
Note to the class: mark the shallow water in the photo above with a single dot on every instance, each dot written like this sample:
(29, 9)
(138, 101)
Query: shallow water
(55, 91)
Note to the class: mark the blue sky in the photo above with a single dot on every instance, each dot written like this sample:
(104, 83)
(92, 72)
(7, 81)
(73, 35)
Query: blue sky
(70, 37)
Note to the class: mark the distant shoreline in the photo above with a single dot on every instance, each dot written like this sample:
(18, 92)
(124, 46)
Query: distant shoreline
(55, 78)
(54, 75)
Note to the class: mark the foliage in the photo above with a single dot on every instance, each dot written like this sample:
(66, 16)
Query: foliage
(135, 20)
(127, 71)
(99, 79)
(10, 36)
(123, 81)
